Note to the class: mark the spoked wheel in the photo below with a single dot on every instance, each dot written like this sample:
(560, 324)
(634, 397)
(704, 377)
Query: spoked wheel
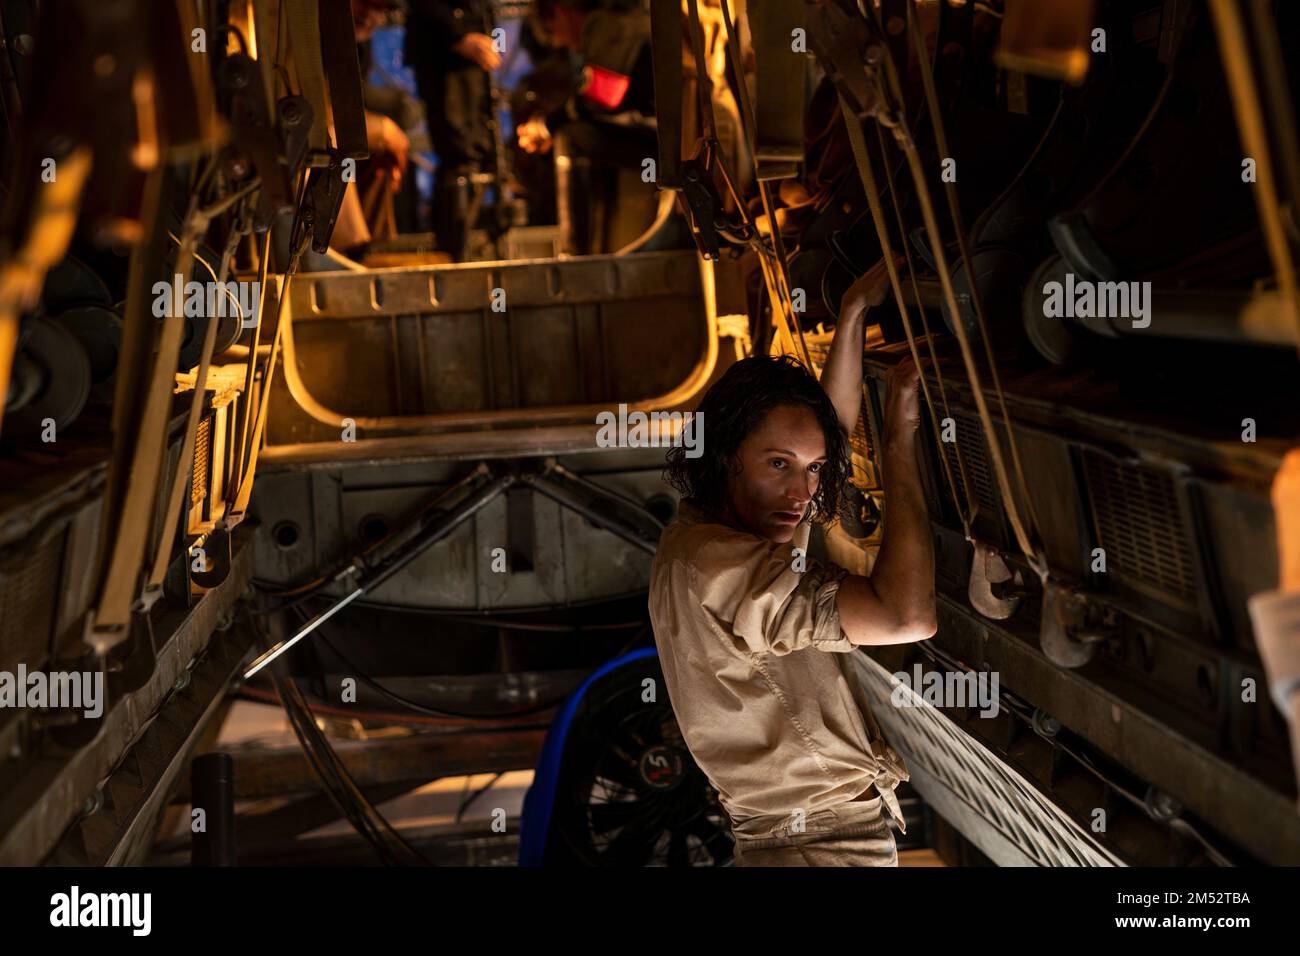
(629, 792)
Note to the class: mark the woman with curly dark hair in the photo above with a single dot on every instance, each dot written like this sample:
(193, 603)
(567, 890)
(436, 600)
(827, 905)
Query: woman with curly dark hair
(754, 635)
(780, 393)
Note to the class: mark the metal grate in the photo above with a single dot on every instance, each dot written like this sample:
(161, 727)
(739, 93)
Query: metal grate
(861, 440)
(29, 592)
(974, 455)
(1139, 523)
(202, 457)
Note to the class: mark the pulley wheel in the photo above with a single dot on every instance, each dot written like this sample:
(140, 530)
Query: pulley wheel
(998, 272)
(196, 327)
(99, 330)
(230, 320)
(1052, 336)
(71, 282)
(59, 374)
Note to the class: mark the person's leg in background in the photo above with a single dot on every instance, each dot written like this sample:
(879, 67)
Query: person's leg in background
(456, 106)
(597, 152)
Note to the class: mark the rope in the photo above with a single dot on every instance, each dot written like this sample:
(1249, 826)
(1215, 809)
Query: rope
(898, 126)
(870, 187)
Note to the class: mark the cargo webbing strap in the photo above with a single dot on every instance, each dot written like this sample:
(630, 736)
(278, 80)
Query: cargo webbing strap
(972, 502)
(181, 478)
(870, 187)
(107, 624)
(248, 414)
(666, 50)
(320, 32)
(338, 48)
(703, 79)
(1237, 67)
(704, 84)
(322, 40)
(303, 20)
(750, 126)
(240, 504)
(898, 125)
(8, 350)
(778, 128)
(266, 17)
(300, 235)
(772, 262)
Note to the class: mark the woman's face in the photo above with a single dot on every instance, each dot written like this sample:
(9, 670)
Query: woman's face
(780, 464)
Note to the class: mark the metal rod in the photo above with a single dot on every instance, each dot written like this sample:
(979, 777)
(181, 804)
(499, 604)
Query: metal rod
(400, 558)
(279, 648)
(566, 497)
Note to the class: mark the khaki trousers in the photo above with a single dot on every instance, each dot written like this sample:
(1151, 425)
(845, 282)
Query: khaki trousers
(854, 834)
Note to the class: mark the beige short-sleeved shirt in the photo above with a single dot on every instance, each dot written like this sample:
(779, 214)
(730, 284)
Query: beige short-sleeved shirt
(759, 675)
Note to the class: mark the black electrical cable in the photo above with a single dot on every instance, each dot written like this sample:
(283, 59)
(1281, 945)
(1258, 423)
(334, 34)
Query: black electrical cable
(466, 801)
(334, 777)
(450, 614)
(433, 711)
(258, 695)
(365, 817)
(378, 823)
(539, 626)
(437, 712)
(459, 612)
(323, 775)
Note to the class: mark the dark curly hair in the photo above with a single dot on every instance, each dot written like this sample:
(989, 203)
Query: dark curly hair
(733, 407)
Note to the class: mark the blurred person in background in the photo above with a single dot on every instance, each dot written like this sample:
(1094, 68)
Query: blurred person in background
(394, 116)
(367, 210)
(449, 44)
(599, 89)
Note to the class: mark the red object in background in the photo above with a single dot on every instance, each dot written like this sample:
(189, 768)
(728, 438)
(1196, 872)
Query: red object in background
(604, 87)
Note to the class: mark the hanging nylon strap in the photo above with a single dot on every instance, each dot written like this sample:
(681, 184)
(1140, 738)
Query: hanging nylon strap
(773, 262)
(138, 480)
(870, 187)
(897, 124)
